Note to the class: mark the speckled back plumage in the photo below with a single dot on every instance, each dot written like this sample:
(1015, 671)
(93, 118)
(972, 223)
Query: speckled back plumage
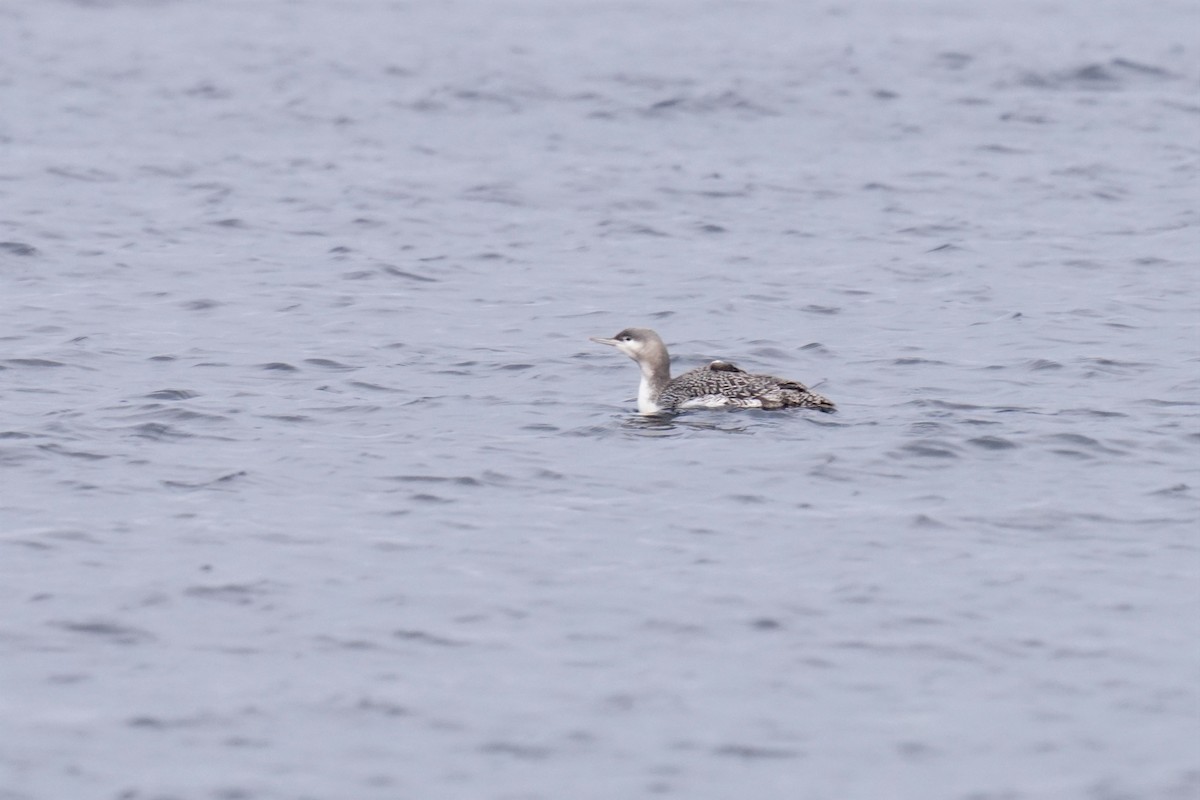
(717, 385)
(723, 384)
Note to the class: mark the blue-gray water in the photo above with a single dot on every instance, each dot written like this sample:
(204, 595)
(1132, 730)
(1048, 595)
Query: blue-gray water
(311, 485)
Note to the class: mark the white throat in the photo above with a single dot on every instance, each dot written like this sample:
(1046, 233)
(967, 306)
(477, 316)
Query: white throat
(647, 396)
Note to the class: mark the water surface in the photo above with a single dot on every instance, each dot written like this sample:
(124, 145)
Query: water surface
(311, 484)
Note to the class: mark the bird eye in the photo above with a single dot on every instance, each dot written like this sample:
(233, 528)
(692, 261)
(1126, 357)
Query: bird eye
(626, 338)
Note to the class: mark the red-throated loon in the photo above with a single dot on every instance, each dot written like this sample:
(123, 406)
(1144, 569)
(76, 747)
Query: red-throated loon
(717, 385)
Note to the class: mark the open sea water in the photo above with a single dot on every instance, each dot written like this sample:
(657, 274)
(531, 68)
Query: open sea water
(311, 485)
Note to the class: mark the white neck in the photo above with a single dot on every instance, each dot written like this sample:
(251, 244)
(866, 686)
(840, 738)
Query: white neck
(648, 396)
(656, 372)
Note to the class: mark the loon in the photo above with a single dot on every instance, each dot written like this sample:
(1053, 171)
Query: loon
(716, 385)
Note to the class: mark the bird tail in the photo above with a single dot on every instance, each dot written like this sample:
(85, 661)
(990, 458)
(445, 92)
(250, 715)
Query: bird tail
(797, 395)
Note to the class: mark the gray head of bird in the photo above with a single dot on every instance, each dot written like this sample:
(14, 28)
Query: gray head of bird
(640, 344)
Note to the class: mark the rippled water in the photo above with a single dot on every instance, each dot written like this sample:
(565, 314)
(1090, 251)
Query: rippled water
(311, 485)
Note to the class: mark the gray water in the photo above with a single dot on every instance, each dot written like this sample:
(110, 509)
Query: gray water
(311, 485)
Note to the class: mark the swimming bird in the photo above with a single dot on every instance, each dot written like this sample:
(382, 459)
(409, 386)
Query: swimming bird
(716, 385)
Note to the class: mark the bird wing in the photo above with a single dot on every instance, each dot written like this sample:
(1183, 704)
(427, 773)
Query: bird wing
(724, 366)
